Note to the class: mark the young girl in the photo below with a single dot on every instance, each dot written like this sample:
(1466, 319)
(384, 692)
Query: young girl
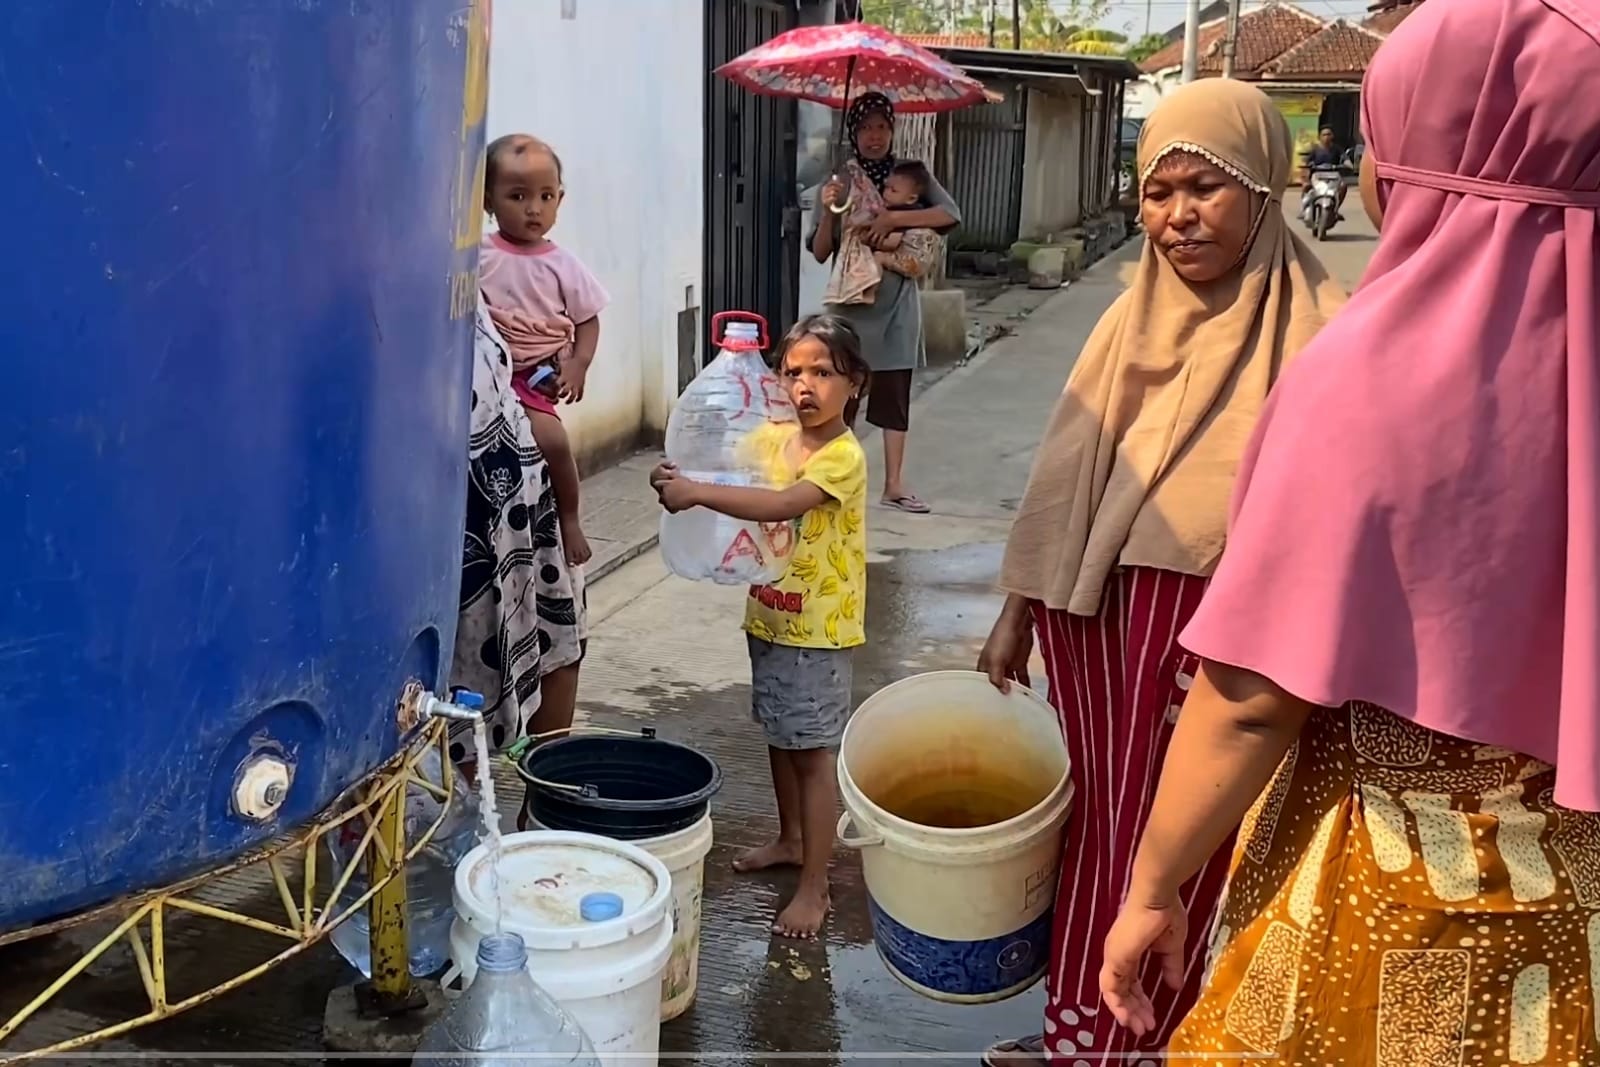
(802, 629)
(545, 303)
(546, 306)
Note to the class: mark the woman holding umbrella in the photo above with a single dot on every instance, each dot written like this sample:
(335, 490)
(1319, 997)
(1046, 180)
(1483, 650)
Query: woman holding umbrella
(871, 73)
(890, 326)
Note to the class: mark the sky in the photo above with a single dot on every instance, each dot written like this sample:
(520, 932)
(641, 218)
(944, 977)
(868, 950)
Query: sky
(1128, 16)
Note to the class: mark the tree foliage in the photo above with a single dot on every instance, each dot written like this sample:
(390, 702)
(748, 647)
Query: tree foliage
(1046, 26)
(1145, 47)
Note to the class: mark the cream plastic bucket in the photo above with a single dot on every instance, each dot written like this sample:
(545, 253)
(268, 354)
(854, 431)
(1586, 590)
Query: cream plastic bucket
(606, 971)
(684, 854)
(956, 796)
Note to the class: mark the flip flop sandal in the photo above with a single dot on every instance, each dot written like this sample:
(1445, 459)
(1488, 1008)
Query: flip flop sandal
(911, 505)
(1024, 1050)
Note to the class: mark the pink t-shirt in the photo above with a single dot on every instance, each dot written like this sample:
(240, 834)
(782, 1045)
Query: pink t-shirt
(543, 281)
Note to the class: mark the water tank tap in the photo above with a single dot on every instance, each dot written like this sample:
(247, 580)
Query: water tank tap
(262, 788)
(464, 705)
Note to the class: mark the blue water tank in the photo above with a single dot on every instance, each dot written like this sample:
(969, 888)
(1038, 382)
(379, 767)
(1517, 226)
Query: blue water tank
(241, 238)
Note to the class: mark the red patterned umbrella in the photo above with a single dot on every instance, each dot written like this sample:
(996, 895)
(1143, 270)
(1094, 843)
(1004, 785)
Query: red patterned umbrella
(833, 65)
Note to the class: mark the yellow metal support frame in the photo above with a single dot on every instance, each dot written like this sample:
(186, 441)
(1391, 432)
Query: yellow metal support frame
(379, 803)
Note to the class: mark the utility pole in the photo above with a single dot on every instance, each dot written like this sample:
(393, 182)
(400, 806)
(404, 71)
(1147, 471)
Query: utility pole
(992, 4)
(1230, 40)
(1016, 25)
(1191, 41)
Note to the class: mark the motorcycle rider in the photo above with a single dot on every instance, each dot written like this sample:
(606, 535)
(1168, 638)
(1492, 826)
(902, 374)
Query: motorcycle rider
(1324, 155)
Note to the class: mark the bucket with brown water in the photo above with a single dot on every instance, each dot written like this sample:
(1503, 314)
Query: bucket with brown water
(956, 796)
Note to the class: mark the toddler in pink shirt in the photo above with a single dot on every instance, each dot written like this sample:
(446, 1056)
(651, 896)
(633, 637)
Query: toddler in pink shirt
(545, 304)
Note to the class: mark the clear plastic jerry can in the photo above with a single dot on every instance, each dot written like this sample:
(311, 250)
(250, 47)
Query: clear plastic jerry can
(736, 395)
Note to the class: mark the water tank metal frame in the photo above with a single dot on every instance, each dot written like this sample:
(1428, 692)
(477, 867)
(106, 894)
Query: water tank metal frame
(141, 920)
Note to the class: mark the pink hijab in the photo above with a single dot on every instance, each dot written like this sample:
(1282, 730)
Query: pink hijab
(1417, 520)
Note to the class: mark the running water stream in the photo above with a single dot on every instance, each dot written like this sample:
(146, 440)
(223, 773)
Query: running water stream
(488, 811)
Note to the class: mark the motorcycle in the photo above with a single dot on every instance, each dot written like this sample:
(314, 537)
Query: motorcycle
(1319, 208)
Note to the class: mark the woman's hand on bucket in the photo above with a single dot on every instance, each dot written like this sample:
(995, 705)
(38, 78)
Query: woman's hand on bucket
(1157, 927)
(1006, 653)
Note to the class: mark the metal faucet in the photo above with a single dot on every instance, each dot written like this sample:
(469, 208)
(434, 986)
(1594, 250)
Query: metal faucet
(463, 706)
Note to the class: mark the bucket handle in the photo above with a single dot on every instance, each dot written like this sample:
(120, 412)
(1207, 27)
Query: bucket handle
(845, 824)
(527, 741)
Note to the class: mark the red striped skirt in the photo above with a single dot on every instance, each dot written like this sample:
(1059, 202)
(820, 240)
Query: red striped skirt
(1117, 679)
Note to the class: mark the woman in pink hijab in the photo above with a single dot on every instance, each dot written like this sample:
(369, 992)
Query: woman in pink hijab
(1400, 693)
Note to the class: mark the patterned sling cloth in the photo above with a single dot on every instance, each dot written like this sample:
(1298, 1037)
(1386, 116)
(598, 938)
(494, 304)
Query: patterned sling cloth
(855, 275)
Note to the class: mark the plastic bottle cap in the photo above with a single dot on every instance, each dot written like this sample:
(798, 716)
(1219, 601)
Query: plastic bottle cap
(598, 907)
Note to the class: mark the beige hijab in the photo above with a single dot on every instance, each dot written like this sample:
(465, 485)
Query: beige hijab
(1138, 461)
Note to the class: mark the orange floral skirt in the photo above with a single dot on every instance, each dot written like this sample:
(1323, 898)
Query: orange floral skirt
(1401, 898)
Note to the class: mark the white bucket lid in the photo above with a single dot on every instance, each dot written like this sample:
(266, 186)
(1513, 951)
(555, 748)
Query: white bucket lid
(564, 890)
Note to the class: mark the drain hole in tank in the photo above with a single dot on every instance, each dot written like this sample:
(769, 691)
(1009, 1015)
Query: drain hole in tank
(421, 661)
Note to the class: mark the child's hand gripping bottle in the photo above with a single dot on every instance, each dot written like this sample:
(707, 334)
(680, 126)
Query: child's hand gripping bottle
(733, 397)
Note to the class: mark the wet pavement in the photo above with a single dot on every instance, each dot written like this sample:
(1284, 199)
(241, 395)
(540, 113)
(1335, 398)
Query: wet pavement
(669, 653)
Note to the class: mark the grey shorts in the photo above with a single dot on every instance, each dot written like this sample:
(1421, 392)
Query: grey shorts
(800, 696)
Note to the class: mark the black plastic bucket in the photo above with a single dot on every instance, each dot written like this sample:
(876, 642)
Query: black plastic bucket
(628, 788)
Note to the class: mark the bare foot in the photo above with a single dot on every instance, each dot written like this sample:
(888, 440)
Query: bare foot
(576, 544)
(780, 853)
(803, 917)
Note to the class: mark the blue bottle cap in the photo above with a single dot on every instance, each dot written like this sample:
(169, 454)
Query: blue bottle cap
(598, 907)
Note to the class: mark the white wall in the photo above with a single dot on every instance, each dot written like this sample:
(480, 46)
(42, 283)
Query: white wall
(1145, 92)
(617, 90)
(1053, 140)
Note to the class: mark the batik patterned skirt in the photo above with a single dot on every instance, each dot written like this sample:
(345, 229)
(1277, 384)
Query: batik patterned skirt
(1401, 898)
(1117, 679)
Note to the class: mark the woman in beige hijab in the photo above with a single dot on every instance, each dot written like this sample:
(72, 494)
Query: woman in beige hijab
(1125, 513)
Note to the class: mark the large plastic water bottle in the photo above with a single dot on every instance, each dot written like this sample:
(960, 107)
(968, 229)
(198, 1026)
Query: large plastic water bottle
(430, 876)
(735, 395)
(505, 1018)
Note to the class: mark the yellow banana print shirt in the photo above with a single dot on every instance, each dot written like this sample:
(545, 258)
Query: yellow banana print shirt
(821, 600)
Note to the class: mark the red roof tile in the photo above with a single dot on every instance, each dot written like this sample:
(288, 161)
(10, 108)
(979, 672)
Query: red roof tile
(1264, 35)
(1341, 50)
(957, 40)
(1388, 18)
(1172, 55)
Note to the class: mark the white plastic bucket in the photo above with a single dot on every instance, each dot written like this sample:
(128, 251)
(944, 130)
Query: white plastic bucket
(684, 854)
(606, 972)
(958, 794)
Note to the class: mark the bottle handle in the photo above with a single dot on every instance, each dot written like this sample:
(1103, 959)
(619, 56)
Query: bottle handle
(719, 323)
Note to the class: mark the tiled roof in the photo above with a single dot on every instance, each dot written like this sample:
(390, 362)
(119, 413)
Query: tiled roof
(1264, 34)
(1278, 40)
(1172, 55)
(1340, 50)
(957, 40)
(1388, 18)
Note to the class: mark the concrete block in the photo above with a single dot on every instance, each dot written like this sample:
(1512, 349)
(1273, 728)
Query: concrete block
(944, 324)
(1075, 257)
(1047, 268)
(346, 1028)
(1023, 251)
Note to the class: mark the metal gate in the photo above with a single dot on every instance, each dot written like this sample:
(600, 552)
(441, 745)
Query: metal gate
(752, 213)
(987, 183)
